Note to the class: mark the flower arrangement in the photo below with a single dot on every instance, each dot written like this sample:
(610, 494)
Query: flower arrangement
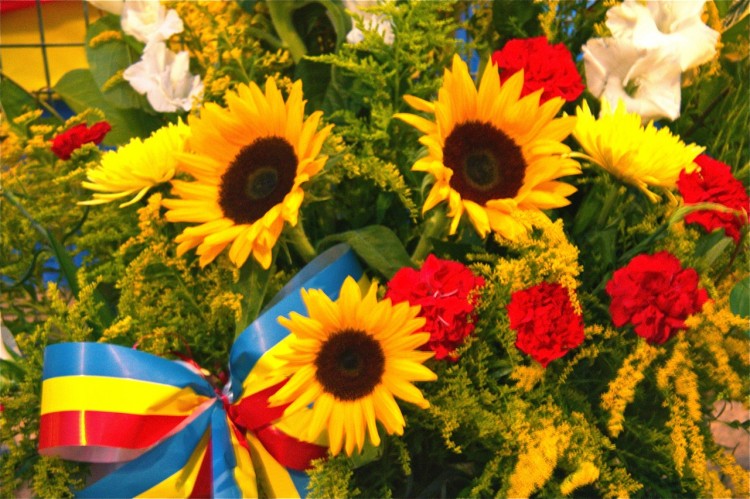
(380, 249)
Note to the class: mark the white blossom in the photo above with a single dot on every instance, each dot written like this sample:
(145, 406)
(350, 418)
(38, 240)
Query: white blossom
(647, 80)
(164, 77)
(671, 25)
(149, 21)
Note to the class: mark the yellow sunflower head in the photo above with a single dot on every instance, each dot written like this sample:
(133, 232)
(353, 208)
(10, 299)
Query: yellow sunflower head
(137, 166)
(491, 152)
(249, 161)
(349, 358)
(641, 156)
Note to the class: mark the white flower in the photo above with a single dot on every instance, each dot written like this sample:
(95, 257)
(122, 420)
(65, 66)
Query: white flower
(370, 21)
(8, 345)
(165, 78)
(673, 25)
(148, 20)
(648, 81)
(111, 6)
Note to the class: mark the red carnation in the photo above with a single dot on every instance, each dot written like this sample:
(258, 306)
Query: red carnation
(73, 138)
(713, 182)
(443, 289)
(545, 321)
(545, 66)
(656, 295)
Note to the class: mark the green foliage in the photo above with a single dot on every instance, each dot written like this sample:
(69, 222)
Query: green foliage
(371, 77)
(79, 90)
(107, 59)
(494, 411)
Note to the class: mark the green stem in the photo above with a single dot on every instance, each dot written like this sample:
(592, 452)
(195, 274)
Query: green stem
(301, 243)
(434, 228)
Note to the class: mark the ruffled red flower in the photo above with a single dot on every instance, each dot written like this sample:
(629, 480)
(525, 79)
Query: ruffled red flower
(654, 294)
(443, 289)
(545, 66)
(73, 138)
(545, 321)
(713, 182)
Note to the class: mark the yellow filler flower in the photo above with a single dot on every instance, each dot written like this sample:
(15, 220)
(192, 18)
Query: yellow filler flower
(349, 358)
(491, 152)
(249, 162)
(637, 155)
(137, 166)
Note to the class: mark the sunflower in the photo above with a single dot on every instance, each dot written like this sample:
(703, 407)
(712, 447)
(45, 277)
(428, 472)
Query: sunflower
(249, 162)
(349, 358)
(637, 155)
(491, 152)
(137, 166)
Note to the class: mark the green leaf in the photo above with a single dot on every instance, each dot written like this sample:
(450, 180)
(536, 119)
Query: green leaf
(514, 19)
(739, 298)
(108, 58)
(298, 24)
(711, 246)
(247, 5)
(377, 245)
(252, 285)
(79, 90)
(16, 101)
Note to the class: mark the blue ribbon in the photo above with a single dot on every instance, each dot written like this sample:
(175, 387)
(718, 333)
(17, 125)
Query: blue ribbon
(327, 272)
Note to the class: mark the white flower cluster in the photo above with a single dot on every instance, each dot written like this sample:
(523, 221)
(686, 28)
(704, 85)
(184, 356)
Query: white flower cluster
(162, 75)
(370, 21)
(652, 43)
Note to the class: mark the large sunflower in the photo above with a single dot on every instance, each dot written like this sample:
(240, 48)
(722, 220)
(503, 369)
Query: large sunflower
(249, 161)
(492, 152)
(349, 358)
(137, 166)
(641, 156)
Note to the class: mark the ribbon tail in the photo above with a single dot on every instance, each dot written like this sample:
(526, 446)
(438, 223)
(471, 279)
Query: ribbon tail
(170, 469)
(232, 468)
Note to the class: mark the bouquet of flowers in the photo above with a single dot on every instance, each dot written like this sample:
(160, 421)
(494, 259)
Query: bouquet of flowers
(381, 249)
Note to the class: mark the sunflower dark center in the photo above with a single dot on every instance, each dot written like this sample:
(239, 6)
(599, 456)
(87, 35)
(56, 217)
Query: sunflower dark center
(350, 364)
(486, 163)
(257, 179)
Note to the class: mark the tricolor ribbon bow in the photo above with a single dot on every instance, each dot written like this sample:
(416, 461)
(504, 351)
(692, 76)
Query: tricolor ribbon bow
(175, 435)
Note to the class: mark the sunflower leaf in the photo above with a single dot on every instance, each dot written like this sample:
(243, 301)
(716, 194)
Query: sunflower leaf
(377, 245)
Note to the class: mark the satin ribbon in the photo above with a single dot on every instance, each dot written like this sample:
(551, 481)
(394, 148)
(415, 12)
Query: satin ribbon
(175, 435)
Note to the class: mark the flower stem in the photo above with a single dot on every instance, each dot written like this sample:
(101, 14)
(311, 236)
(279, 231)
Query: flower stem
(301, 243)
(433, 229)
